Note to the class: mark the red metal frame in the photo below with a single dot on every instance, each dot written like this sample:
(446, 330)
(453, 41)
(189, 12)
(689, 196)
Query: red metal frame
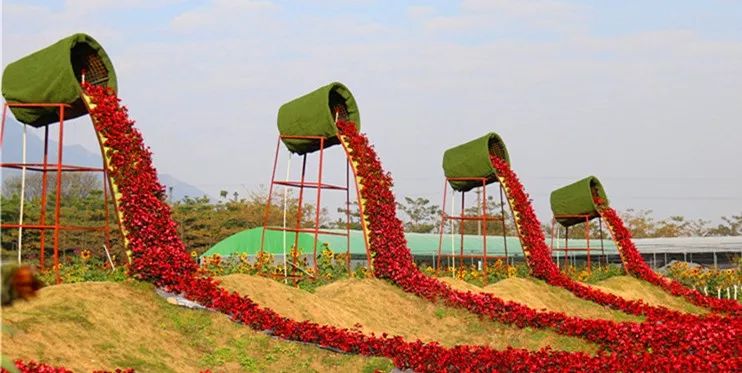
(59, 168)
(483, 218)
(302, 184)
(587, 249)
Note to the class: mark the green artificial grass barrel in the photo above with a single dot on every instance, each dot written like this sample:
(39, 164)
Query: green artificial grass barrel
(577, 199)
(472, 160)
(314, 114)
(53, 75)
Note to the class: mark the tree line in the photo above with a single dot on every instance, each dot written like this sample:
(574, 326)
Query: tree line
(202, 222)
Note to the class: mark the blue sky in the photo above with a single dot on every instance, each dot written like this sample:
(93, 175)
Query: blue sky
(644, 95)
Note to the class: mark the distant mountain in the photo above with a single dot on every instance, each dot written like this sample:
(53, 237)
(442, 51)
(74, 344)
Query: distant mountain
(73, 154)
(180, 189)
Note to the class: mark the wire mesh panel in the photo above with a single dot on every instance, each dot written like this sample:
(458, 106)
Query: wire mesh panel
(88, 63)
(96, 72)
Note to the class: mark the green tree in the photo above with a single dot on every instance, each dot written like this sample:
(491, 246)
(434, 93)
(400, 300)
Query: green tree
(355, 217)
(674, 226)
(497, 212)
(731, 226)
(423, 216)
(640, 223)
(74, 184)
(202, 222)
(82, 205)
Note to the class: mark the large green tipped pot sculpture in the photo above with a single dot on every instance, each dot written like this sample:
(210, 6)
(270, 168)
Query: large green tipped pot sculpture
(315, 114)
(53, 75)
(472, 160)
(577, 198)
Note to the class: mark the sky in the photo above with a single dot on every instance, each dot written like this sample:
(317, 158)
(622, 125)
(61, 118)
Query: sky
(645, 95)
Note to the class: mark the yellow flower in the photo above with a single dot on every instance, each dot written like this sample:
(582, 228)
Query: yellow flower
(244, 258)
(85, 255)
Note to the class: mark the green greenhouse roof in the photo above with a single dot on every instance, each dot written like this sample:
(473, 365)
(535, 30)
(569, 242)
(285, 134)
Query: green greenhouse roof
(248, 241)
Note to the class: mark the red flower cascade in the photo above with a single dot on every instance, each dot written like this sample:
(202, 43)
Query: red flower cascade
(669, 342)
(635, 265)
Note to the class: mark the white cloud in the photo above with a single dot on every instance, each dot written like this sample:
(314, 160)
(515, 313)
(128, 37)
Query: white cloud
(220, 13)
(520, 8)
(479, 15)
(420, 11)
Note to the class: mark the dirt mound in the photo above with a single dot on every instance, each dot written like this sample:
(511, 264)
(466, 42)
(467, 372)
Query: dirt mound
(104, 325)
(380, 307)
(460, 284)
(629, 287)
(538, 295)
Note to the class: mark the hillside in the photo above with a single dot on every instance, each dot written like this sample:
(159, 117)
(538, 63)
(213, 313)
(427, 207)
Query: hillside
(381, 307)
(629, 287)
(539, 295)
(97, 325)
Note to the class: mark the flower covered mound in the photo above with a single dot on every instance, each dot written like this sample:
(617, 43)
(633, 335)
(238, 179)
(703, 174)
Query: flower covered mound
(161, 258)
(635, 265)
(538, 254)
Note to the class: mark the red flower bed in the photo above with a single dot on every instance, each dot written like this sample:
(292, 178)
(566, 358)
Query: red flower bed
(666, 329)
(34, 367)
(635, 265)
(159, 257)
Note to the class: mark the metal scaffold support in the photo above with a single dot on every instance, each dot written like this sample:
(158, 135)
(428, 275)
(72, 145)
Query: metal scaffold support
(482, 218)
(299, 225)
(566, 250)
(57, 169)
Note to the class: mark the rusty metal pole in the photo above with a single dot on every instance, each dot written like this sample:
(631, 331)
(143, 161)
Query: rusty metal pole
(42, 213)
(484, 222)
(566, 246)
(603, 259)
(504, 225)
(553, 231)
(587, 240)
(2, 127)
(461, 230)
(347, 214)
(107, 226)
(298, 214)
(266, 211)
(58, 195)
(318, 206)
